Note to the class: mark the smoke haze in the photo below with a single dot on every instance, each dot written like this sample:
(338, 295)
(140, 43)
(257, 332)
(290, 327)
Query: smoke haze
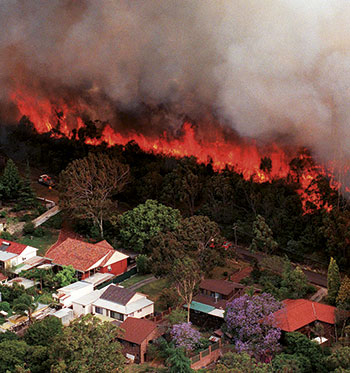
(271, 68)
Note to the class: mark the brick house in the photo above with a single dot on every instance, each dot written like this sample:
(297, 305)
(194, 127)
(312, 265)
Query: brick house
(302, 315)
(120, 303)
(87, 258)
(135, 336)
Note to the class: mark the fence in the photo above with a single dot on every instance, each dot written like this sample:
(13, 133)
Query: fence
(124, 276)
(207, 356)
(159, 317)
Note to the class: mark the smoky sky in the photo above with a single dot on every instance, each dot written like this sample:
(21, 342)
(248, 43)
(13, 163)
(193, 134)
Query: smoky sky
(267, 68)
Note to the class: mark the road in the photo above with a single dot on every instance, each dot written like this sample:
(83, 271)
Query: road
(313, 277)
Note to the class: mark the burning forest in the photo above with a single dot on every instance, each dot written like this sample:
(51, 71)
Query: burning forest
(255, 90)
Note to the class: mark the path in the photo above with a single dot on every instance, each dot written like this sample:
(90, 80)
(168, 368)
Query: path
(46, 216)
(142, 283)
(319, 295)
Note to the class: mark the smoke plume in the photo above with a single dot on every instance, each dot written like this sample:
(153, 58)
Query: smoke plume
(269, 69)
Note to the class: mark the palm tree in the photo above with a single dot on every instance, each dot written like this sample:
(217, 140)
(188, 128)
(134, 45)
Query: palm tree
(25, 306)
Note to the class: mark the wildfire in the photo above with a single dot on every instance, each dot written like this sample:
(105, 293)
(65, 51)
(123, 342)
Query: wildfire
(245, 157)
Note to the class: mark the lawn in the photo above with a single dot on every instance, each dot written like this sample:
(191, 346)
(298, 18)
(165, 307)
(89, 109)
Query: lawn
(41, 243)
(153, 290)
(231, 267)
(134, 280)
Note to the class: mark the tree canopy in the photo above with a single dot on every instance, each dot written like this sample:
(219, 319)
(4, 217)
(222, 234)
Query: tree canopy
(250, 320)
(87, 345)
(87, 185)
(140, 224)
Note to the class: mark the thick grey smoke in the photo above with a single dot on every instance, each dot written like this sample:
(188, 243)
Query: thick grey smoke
(267, 67)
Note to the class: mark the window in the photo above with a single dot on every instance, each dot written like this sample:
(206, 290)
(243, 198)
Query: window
(99, 310)
(109, 268)
(117, 315)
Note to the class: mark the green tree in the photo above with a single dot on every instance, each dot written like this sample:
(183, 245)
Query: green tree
(263, 237)
(87, 345)
(143, 264)
(339, 360)
(24, 305)
(294, 282)
(343, 298)
(66, 276)
(27, 198)
(290, 363)
(196, 237)
(238, 363)
(178, 362)
(333, 281)
(177, 316)
(142, 223)
(186, 276)
(297, 343)
(45, 277)
(10, 181)
(12, 353)
(87, 185)
(43, 332)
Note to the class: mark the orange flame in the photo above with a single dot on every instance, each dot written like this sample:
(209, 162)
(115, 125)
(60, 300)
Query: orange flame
(244, 157)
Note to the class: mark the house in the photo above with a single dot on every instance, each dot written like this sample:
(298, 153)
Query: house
(87, 258)
(208, 306)
(83, 305)
(12, 253)
(120, 303)
(135, 336)
(67, 294)
(25, 282)
(302, 315)
(213, 296)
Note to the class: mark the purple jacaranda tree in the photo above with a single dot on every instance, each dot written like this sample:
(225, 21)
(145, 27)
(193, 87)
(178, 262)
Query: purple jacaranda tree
(250, 320)
(184, 335)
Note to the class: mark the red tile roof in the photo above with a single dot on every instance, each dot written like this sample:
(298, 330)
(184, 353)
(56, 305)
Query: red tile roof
(14, 248)
(136, 330)
(81, 255)
(104, 244)
(297, 313)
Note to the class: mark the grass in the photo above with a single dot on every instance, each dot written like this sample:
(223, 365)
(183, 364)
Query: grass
(230, 267)
(134, 280)
(41, 243)
(153, 290)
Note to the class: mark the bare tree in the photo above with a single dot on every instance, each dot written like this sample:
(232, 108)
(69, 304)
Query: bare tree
(87, 185)
(186, 276)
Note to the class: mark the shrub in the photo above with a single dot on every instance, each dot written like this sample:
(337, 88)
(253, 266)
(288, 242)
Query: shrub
(169, 297)
(39, 232)
(26, 218)
(3, 214)
(143, 264)
(28, 228)
(5, 306)
(46, 298)
(6, 235)
(55, 222)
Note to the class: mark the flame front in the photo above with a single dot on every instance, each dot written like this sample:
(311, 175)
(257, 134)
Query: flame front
(244, 157)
